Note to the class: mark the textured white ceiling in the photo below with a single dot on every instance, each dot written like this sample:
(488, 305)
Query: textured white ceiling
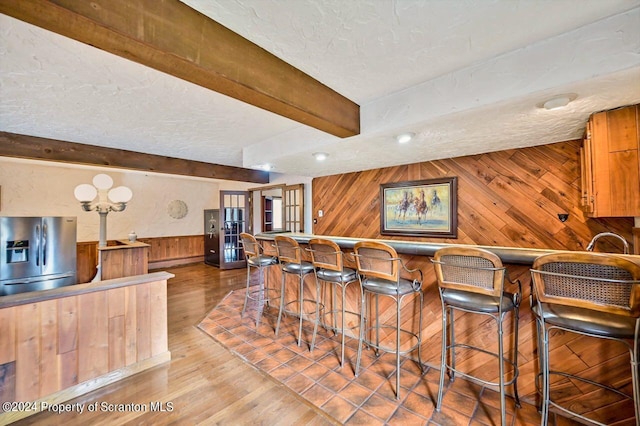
(465, 76)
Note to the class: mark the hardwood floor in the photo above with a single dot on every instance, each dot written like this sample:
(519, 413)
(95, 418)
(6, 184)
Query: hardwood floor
(203, 384)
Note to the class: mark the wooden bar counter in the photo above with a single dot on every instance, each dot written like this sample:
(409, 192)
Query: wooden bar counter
(581, 355)
(58, 344)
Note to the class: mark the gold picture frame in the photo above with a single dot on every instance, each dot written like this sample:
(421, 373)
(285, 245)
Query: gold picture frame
(426, 208)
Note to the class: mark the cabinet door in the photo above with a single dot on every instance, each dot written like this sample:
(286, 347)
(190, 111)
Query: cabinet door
(615, 163)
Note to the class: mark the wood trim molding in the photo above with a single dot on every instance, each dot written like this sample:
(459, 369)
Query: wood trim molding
(168, 36)
(35, 148)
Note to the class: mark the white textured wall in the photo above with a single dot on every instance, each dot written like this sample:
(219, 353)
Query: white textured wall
(35, 188)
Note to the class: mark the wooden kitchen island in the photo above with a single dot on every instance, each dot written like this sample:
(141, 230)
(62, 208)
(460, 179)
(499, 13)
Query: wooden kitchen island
(58, 344)
(581, 355)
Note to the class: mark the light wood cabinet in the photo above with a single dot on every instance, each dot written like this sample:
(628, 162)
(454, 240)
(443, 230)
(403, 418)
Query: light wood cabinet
(610, 164)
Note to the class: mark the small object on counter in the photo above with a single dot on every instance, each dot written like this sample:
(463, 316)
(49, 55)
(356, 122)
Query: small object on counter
(132, 236)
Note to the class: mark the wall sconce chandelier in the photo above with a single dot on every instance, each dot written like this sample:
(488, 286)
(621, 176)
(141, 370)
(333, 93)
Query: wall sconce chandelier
(108, 200)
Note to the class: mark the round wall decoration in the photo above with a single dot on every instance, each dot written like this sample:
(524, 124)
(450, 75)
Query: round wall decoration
(177, 209)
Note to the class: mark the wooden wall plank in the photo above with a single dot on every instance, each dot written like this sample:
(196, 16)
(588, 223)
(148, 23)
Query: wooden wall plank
(117, 349)
(93, 336)
(143, 320)
(28, 352)
(116, 301)
(158, 321)
(67, 324)
(7, 335)
(117, 327)
(49, 368)
(68, 341)
(68, 365)
(131, 326)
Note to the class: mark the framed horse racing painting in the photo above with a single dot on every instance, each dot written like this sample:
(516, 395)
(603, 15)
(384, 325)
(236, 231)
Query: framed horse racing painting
(426, 208)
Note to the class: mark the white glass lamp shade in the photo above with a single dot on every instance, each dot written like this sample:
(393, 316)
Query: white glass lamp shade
(85, 192)
(102, 181)
(121, 194)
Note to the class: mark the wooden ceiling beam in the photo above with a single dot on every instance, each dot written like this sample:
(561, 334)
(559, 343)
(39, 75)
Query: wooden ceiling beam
(171, 37)
(35, 148)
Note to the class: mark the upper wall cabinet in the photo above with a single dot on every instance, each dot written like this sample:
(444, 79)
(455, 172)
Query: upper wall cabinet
(611, 164)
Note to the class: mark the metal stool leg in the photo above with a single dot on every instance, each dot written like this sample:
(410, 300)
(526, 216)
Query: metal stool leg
(281, 303)
(377, 351)
(503, 408)
(420, 333)
(516, 317)
(635, 380)
(362, 329)
(246, 294)
(452, 343)
(545, 375)
(343, 288)
(443, 355)
(317, 318)
(262, 293)
(300, 310)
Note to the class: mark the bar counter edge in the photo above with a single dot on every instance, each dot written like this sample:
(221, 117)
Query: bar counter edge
(513, 255)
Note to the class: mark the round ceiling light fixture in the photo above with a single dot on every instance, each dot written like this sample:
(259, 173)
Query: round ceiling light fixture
(320, 156)
(405, 137)
(557, 102)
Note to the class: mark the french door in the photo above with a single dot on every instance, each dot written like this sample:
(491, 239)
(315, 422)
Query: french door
(234, 214)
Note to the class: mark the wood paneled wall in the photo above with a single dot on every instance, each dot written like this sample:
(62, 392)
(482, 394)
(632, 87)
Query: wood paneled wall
(164, 249)
(57, 349)
(507, 198)
(163, 252)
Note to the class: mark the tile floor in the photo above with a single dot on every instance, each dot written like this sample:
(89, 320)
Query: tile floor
(368, 399)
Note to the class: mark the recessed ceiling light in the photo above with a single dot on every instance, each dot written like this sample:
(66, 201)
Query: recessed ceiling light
(320, 156)
(559, 101)
(405, 137)
(265, 167)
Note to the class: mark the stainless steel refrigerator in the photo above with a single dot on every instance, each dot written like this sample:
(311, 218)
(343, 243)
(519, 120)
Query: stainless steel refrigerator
(37, 253)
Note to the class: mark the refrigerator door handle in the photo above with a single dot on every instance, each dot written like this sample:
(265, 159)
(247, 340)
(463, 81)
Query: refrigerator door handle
(29, 280)
(37, 245)
(44, 244)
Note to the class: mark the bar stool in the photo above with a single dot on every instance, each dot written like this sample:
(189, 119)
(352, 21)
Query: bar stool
(379, 269)
(289, 255)
(328, 260)
(472, 280)
(254, 253)
(589, 294)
